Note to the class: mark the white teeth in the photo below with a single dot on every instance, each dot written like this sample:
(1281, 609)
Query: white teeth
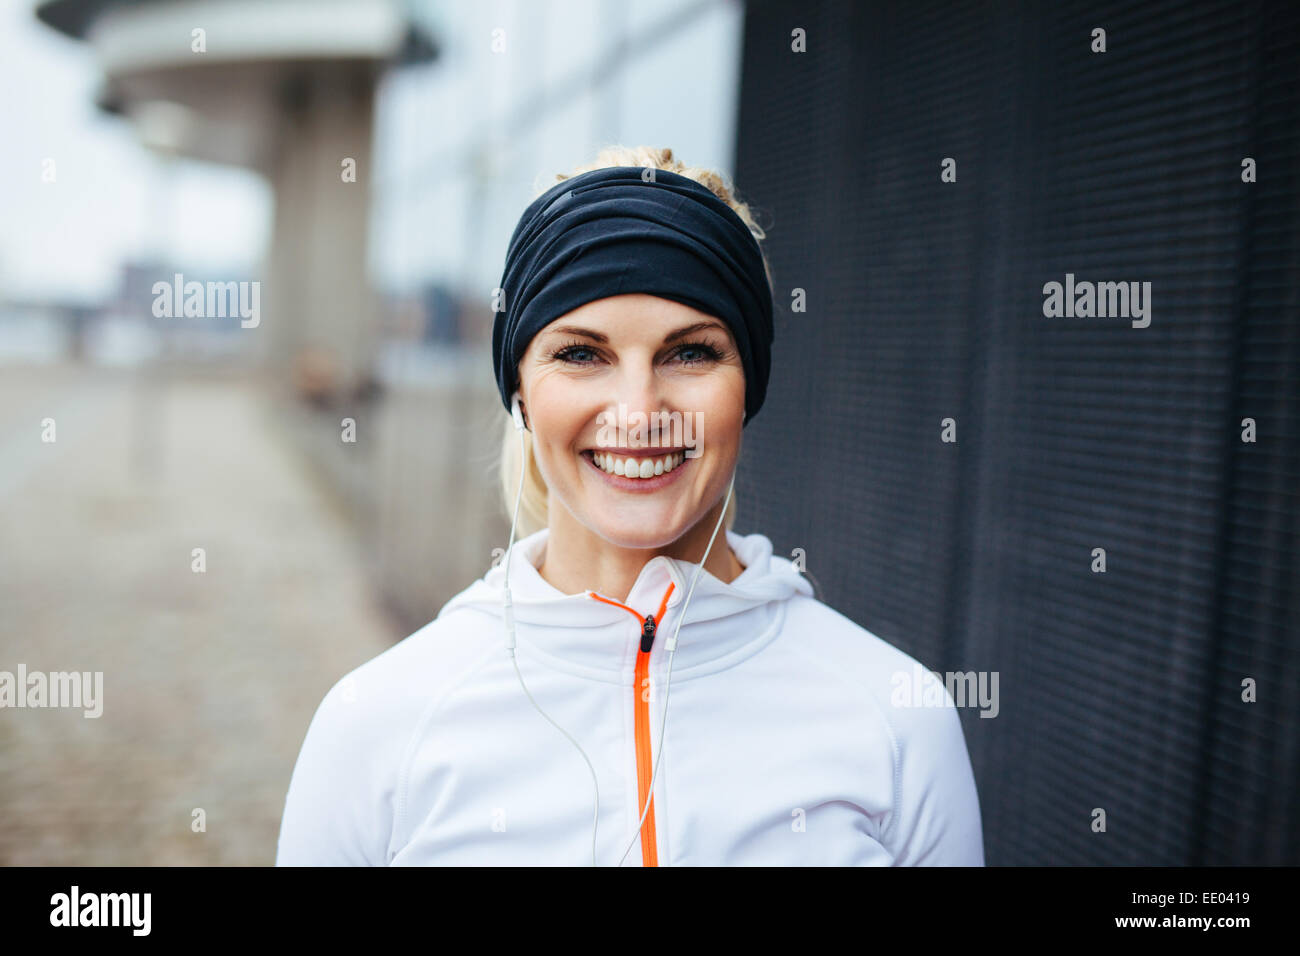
(637, 467)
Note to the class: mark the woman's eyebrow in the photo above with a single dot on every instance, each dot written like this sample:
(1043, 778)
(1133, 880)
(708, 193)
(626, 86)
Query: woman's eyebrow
(691, 329)
(603, 339)
(574, 330)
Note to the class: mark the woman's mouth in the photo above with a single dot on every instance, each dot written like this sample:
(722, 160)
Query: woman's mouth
(637, 472)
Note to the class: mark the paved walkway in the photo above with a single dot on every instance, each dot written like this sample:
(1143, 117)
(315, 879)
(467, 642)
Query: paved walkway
(209, 680)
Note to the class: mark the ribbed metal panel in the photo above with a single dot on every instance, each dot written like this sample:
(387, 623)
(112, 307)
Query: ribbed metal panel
(1118, 690)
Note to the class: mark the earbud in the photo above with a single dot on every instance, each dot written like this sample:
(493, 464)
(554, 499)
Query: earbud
(515, 413)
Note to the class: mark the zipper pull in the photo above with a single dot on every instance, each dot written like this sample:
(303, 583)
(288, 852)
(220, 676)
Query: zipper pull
(647, 633)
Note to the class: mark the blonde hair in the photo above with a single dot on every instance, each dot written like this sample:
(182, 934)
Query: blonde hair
(533, 503)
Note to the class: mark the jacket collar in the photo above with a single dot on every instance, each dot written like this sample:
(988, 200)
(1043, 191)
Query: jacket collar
(578, 632)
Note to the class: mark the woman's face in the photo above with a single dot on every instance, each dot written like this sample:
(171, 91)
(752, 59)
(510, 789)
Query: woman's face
(670, 368)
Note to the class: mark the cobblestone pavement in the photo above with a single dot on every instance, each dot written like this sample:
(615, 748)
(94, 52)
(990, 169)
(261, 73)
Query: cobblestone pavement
(209, 679)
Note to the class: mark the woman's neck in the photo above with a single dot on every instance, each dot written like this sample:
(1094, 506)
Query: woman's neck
(576, 559)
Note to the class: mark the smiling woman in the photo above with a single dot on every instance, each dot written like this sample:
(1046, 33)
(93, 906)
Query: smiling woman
(631, 354)
(635, 296)
(533, 512)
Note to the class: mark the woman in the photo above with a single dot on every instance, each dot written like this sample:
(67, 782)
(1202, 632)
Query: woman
(527, 723)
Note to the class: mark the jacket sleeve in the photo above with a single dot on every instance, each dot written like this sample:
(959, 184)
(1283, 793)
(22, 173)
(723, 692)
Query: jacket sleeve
(339, 808)
(936, 821)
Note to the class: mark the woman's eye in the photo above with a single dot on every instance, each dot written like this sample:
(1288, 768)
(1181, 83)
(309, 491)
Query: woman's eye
(567, 355)
(702, 352)
(691, 354)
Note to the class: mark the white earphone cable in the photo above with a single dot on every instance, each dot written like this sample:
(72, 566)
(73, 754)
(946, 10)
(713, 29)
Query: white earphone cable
(668, 681)
(510, 629)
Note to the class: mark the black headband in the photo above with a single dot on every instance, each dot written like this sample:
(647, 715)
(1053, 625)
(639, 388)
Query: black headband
(616, 230)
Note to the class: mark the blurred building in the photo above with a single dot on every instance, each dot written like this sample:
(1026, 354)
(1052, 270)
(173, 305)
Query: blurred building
(284, 88)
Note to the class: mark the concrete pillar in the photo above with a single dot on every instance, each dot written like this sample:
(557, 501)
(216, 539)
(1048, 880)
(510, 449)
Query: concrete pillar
(321, 324)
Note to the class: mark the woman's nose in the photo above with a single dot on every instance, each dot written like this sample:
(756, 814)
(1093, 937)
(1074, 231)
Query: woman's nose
(640, 389)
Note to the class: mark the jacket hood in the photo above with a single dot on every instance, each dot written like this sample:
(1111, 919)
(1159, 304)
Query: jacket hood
(587, 632)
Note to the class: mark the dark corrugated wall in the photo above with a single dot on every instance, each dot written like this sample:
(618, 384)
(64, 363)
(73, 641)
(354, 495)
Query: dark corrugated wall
(1118, 690)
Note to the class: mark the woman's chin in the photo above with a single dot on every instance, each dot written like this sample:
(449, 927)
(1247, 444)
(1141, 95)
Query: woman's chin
(640, 532)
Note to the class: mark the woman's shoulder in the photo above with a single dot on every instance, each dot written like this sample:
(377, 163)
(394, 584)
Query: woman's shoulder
(345, 790)
(936, 816)
(398, 683)
(822, 630)
(903, 692)
(378, 704)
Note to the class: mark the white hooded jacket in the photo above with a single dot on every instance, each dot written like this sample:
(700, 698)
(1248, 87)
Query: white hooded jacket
(783, 747)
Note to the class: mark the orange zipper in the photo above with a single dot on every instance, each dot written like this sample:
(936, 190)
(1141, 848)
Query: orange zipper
(641, 710)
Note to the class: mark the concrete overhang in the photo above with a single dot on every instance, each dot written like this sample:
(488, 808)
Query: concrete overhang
(223, 104)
